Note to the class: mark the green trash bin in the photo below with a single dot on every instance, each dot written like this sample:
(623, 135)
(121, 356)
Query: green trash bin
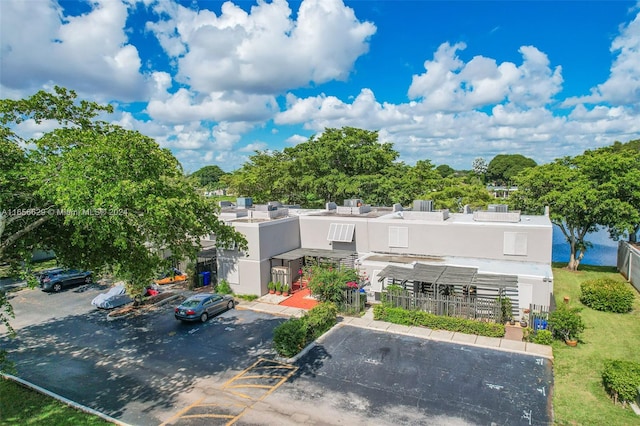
(200, 280)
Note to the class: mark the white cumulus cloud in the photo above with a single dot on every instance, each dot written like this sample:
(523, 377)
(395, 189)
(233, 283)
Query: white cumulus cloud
(263, 51)
(89, 52)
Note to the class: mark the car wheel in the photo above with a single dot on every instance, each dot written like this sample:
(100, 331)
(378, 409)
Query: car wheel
(204, 317)
(88, 280)
(57, 287)
(231, 305)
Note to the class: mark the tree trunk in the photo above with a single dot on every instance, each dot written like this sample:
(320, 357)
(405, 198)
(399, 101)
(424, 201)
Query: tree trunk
(574, 261)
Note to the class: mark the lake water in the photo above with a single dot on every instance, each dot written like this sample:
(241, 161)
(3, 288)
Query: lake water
(603, 253)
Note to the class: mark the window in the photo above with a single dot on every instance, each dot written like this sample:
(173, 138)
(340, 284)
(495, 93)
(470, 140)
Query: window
(515, 243)
(341, 232)
(398, 236)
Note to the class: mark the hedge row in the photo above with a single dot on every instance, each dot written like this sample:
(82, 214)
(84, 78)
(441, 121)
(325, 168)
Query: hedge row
(621, 379)
(606, 294)
(437, 322)
(293, 335)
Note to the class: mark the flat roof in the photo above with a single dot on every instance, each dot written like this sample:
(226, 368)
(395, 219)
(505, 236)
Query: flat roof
(302, 252)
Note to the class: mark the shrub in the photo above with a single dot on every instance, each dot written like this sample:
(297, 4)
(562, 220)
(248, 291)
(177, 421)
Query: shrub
(328, 284)
(290, 337)
(320, 319)
(566, 323)
(606, 294)
(542, 337)
(506, 309)
(621, 379)
(224, 287)
(437, 322)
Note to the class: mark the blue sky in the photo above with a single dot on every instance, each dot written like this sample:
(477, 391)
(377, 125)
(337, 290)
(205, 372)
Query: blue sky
(444, 81)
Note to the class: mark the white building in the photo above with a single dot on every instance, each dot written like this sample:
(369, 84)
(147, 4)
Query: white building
(483, 251)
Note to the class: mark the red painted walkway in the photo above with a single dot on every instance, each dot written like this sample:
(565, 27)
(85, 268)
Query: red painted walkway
(297, 300)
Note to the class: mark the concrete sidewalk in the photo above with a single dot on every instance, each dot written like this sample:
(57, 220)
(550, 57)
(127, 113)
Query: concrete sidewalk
(367, 321)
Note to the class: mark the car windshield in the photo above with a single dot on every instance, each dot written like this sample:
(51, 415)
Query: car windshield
(191, 303)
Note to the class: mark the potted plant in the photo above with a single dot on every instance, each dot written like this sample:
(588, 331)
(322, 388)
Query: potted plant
(566, 324)
(272, 287)
(524, 318)
(505, 309)
(285, 289)
(278, 288)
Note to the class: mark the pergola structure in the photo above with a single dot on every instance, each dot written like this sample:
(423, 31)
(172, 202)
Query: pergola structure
(292, 261)
(443, 279)
(450, 290)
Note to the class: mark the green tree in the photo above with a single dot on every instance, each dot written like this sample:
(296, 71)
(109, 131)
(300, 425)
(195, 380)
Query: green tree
(445, 170)
(208, 177)
(455, 193)
(100, 196)
(265, 177)
(597, 188)
(616, 171)
(572, 199)
(339, 164)
(504, 167)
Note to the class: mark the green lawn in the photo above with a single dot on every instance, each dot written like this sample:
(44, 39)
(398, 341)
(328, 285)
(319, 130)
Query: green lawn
(579, 397)
(22, 406)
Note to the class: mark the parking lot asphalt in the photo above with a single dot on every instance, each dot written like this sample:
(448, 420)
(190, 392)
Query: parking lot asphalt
(150, 369)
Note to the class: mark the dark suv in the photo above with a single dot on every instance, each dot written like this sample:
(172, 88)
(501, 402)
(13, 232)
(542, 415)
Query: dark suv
(57, 279)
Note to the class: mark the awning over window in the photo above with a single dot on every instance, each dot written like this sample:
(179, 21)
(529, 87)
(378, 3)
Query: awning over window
(341, 232)
(320, 253)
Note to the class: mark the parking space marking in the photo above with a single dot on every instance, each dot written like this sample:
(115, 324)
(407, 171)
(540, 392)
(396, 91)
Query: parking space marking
(264, 376)
(181, 412)
(273, 370)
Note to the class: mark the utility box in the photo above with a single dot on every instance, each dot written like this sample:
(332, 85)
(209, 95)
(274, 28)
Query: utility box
(244, 202)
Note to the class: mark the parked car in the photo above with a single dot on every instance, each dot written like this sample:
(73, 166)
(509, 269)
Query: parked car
(47, 273)
(171, 277)
(115, 297)
(66, 278)
(200, 307)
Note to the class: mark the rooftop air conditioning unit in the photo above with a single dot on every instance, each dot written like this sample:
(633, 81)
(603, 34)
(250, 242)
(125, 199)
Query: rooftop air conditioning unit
(500, 208)
(244, 202)
(423, 205)
(353, 202)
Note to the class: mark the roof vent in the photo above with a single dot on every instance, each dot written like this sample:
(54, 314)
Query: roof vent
(498, 208)
(423, 205)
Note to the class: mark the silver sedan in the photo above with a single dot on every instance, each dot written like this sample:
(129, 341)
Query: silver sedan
(200, 307)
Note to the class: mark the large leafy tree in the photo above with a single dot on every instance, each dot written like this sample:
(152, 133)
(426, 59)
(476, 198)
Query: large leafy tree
(504, 167)
(339, 164)
(454, 193)
(208, 176)
(573, 200)
(615, 170)
(599, 188)
(100, 196)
